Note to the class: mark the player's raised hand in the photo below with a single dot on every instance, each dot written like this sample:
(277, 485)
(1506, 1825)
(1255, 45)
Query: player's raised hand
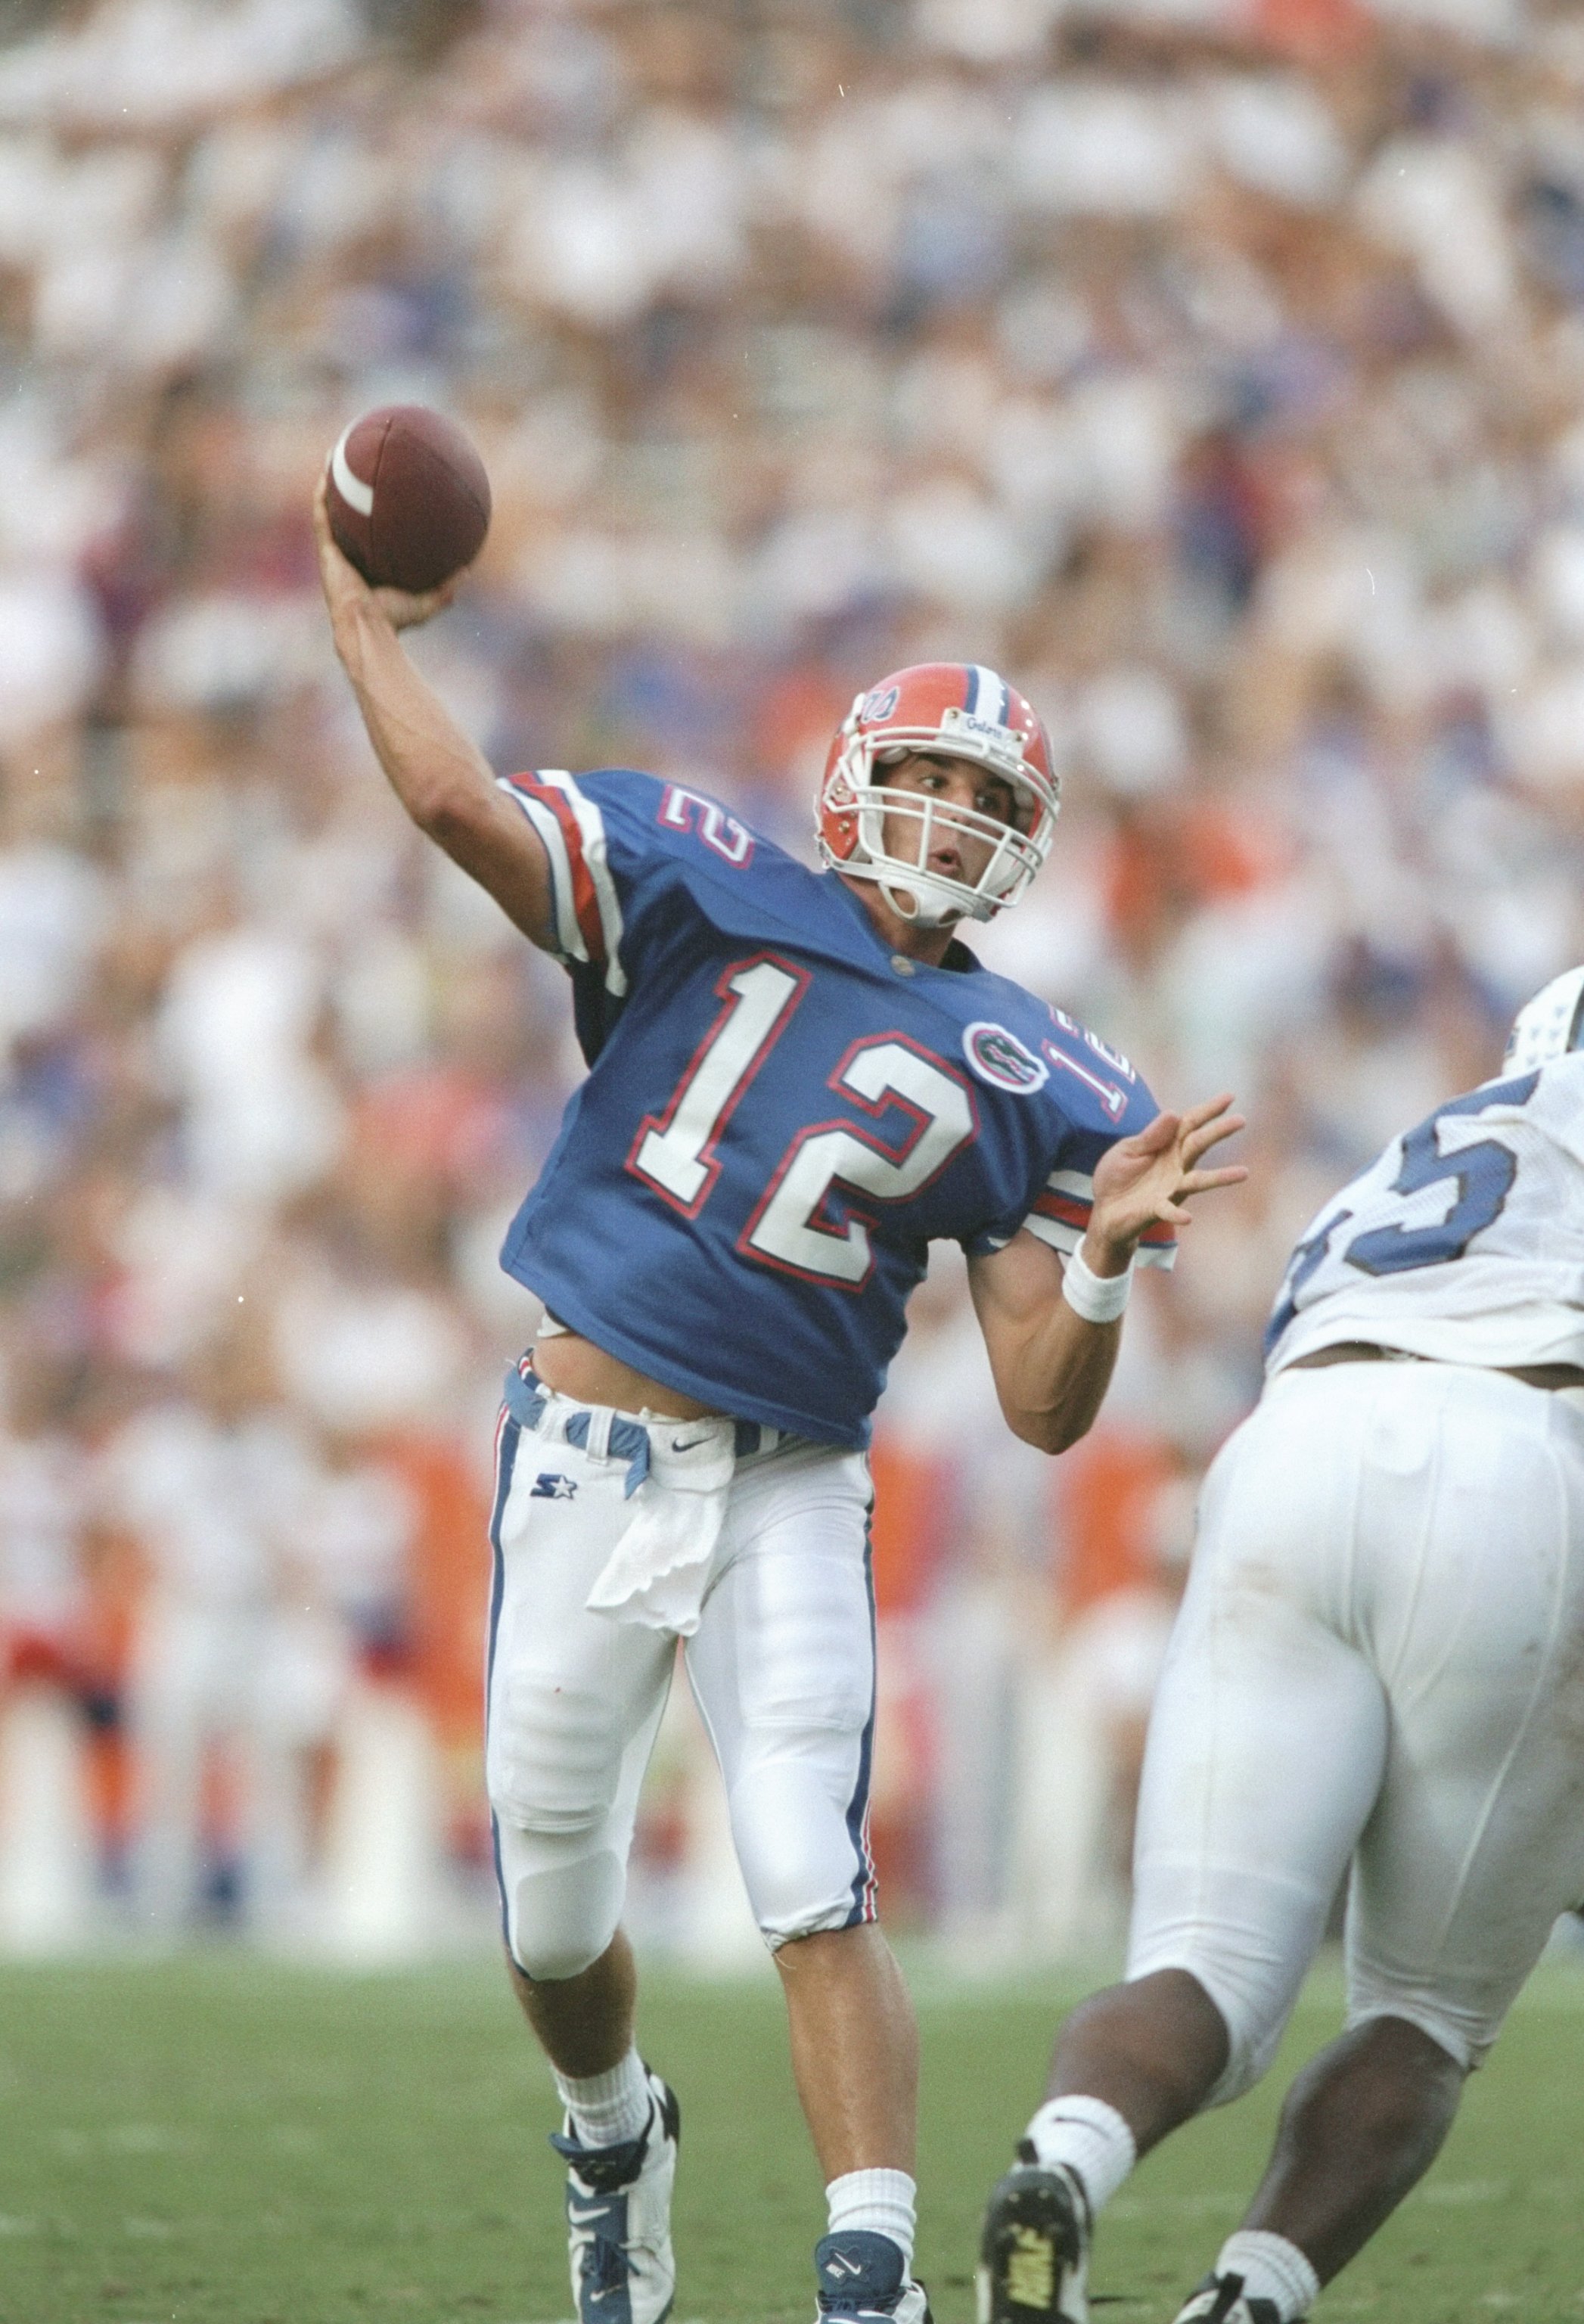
(1145, 1181)
(348, 594)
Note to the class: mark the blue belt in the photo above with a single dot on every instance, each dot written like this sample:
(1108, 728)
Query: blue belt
(628, 1440)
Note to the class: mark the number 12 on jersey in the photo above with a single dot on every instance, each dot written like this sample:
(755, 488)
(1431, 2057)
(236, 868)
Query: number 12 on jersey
(675, 1152)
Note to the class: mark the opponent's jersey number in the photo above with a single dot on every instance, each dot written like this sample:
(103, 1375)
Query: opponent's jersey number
(1478, 1176)
(793, 1227)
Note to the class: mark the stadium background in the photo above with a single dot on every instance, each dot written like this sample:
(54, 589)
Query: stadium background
(1214, 367)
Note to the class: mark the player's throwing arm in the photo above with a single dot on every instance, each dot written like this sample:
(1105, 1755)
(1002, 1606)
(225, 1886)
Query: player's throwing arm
(439, 775)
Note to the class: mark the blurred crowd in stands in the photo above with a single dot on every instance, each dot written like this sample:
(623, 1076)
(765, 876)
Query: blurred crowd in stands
(1213, 367)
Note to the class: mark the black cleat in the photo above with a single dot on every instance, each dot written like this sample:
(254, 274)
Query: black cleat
(1222, 2300)
(1034, 2253)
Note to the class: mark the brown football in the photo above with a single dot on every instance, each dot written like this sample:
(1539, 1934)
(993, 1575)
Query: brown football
(408, 498)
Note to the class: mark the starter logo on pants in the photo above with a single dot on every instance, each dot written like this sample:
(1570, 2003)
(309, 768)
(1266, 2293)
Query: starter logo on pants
(549, 1486)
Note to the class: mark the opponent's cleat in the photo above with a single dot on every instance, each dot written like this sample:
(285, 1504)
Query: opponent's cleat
(1222, 2300)
(863, 2280)
(619, 2218)
(1034, 2253)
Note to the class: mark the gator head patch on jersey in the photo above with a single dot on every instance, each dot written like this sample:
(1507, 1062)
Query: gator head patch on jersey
(1000, 1059)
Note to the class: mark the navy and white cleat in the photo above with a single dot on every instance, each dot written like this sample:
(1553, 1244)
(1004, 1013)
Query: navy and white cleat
(619, 2218)
(863, 2280)
(1034, 2253)
(1222, 2300)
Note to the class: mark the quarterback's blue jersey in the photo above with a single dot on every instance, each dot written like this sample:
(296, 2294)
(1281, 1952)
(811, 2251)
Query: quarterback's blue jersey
(782, 1114)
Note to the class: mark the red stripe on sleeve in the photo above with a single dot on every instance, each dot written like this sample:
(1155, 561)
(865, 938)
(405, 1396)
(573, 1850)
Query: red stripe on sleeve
(584, 902)
(1071, 1213)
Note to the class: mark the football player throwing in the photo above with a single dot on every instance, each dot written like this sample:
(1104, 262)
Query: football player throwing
(797, 1080)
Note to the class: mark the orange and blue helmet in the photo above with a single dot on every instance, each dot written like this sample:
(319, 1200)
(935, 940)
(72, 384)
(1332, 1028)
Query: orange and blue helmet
(943, 710)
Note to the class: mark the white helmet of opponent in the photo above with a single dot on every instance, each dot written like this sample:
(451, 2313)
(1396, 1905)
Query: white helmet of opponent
(1549, 1026)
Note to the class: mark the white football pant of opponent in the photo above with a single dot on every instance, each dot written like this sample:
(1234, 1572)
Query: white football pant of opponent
(1378, 1666)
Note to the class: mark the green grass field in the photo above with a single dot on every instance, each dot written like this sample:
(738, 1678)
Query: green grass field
(218, 2140)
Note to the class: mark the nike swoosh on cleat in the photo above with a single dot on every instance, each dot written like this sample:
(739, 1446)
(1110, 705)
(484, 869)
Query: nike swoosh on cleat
(578, 2218)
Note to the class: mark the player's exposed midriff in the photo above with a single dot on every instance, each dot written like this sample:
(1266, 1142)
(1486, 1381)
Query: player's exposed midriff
(574, 1367)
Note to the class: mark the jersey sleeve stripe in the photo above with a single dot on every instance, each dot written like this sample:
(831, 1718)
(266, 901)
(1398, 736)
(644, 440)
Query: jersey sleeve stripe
(1072, 1181)
(592, 858)
(1057, 1232)
(1077, 1214)
(1062, 1207)
(569, 943)
(1063, 1228)
(582, 894)
(1068, 1198)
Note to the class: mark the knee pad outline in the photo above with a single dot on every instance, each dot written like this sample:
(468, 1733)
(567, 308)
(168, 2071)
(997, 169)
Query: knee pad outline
(560, 1919)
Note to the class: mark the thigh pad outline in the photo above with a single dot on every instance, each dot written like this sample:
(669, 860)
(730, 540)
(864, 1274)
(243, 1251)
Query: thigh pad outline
(554, 1759)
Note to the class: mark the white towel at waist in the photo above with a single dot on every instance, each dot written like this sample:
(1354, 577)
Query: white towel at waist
(658, 1571)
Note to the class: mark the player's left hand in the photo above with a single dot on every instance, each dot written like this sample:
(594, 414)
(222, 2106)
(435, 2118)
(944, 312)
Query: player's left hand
(1145, 1180)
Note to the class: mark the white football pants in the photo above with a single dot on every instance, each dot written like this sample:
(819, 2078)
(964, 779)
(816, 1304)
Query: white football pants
(782, 1668)
(1380, 1660)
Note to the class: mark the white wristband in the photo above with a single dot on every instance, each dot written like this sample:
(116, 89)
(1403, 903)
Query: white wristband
(1098, 1298)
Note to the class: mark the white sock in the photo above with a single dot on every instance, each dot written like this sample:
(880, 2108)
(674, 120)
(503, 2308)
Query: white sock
(883, 2201)
(1091, 2138)
(606, 2109)
(1271, 2268)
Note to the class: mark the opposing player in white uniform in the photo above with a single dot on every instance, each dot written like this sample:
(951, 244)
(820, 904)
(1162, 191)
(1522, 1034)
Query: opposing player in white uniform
(797, 1081)
(1377, 1665)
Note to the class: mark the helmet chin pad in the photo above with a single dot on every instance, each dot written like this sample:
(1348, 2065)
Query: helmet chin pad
(926, 904)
